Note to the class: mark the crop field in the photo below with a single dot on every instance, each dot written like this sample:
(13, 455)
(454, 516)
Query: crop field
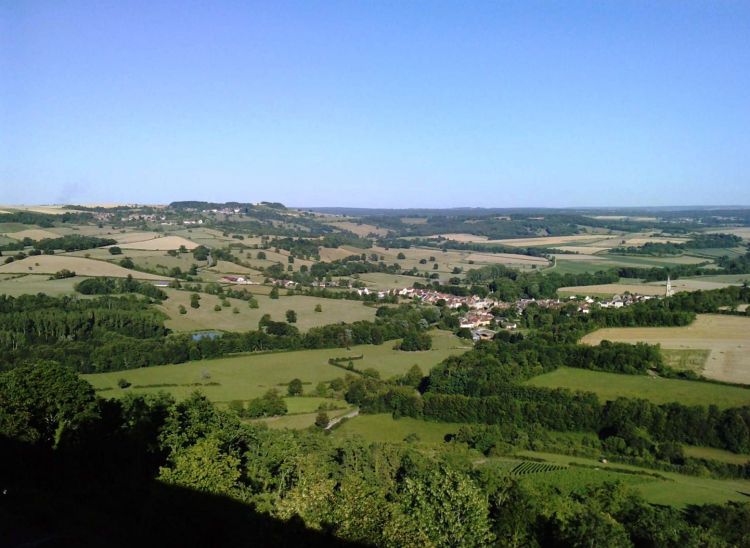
(251, 375)
(31, 284)
(674, 489)
(246, 318)
(600, 240)
(33, 233)
(49, 264)
(609, 386)
(727, 338)
(159, 244)
(360, 229)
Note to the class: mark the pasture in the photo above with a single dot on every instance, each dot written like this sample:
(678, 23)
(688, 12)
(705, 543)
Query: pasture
(610, 386)
(246, 318)
(31, 284)
(251, 375)
(727, 338)
(49, 264)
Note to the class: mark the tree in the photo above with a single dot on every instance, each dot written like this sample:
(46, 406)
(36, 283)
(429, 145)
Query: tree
(195, 300)
(261, 255)
(181, 309)
(123, 383)
(127, 262)
(44, 403)
(294, 388)
(114, 250)
(253, 302)
(321, 421)
(291, 316)
(318, 308)
(274, 294)
(217, 308)
(401, 256)
(203, 467)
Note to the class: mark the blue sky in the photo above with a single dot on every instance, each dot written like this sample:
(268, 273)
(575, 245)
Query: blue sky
(380, 104)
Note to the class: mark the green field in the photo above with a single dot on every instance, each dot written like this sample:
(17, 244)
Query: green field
(674, 490)
(299, 421)
(609, 386)
(15, 285)
(384, 428)
(712, 453)
(249, 376)
(205, 317)
(656, 486)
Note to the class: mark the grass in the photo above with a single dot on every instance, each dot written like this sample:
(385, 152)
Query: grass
(711, 453)
(31, 284)
(674, 490)
(384, 428)
(727, 339)
(49, 264)
(300, 421)
(686, 359)
(609, 386)
(249, 376)
(334, 311)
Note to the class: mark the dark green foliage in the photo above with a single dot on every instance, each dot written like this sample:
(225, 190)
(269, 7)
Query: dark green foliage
(322, 420)
(268, 405)
(62, 274)
(110, 286)
(414, 341)
(114, 250)
(72, 242)
(294, 388)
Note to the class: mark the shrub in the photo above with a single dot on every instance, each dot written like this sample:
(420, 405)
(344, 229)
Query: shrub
(294, 388)
(114, 250)
(122, 383)
(321, 421)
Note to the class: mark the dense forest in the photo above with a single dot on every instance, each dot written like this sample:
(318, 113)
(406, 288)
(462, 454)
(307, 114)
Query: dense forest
(147, 470)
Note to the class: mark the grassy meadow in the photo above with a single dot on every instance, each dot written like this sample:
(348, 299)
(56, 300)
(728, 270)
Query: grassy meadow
(609, 386)
(251, 375)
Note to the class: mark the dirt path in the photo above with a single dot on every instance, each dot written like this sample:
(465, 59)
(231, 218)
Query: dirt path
(349, 415)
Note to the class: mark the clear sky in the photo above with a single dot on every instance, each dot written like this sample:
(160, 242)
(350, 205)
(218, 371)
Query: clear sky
(376, 103)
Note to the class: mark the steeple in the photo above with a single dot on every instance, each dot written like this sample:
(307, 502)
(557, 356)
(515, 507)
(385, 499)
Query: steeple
(670, 291)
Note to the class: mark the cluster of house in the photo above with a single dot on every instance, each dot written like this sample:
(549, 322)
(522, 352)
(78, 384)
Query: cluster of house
(224, 210)
(617, 301)
(151, 217)
(241, 280)
(430, 296)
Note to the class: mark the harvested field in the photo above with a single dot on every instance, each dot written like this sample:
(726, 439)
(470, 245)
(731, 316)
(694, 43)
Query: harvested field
(361, 230)
(31, 284)
(506, 258)
(727, 338)
(33, 233)
(464, 238)
(328, 254)
(742, 232)
(612, 289)
(49, 264)
(160, 244)
(132, 237)
(557, 240)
